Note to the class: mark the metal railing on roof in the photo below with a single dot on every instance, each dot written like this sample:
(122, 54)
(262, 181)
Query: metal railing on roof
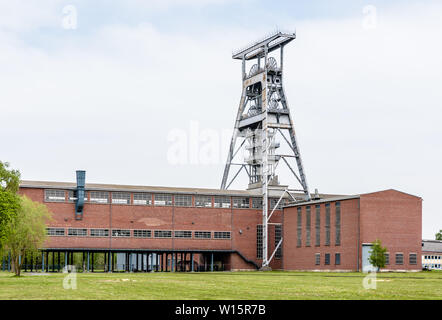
(269, 35)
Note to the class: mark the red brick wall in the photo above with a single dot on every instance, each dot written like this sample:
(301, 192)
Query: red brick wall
(303, 257)
(117, 216)
(396, 219)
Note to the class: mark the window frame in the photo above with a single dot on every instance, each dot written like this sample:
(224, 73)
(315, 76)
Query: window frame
(55, 197)
(98, 200)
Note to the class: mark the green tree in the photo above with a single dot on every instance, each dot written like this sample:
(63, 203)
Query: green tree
(9, 178)
(9, 206)
(439, 235)
(9, 201)
(377, 256)
(26, 232)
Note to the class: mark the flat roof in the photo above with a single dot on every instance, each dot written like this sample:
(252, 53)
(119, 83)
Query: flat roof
(158, 189)
(432, 245)
(342, 198)
(322, 200)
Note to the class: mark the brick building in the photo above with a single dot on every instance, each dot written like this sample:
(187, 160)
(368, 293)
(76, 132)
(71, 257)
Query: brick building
(140, 228)
(432, 254)
(336, 233)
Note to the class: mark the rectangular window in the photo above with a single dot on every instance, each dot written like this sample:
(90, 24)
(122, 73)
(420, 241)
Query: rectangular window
(338, 224)
(299, 228)
(221, 235)
(399, 258)
(308, 226)
(278, 235)
(327, 258)
(413, 258)
(99, 197)
(52, 195)
(203, 234)
(99, 232)
(337, 259)
(55, 231)
(163, 234)
(120, 233)
(142, 233)
(183, 234)
(259, 241)
(121, 197)
(72, 196)
(317, 259)
(143, 199)
(77, 232)
(274, 201)
(327, 224)
(203, 201)
(222, 202)
(162, 199)
(257, 203)
(242, 203)
(318, 225)
(387, 258)
(182, 200)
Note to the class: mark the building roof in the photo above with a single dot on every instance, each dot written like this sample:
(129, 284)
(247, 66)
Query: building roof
(323, 200)
(341, 198)
(432, 245)
(153, 189)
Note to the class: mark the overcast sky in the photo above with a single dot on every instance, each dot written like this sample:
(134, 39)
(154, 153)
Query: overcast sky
(112, 87)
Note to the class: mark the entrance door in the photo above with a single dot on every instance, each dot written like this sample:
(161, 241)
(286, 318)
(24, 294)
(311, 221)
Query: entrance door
(366, 265)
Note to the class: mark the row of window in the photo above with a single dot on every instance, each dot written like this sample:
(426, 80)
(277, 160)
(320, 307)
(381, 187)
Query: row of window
(140, 233)
(433, 257)
(432, 266)
(399, 258)
(327, 225)
(327, 259)
(162, 199)
(259, 241)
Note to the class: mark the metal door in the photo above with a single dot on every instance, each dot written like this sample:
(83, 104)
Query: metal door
(366, 265)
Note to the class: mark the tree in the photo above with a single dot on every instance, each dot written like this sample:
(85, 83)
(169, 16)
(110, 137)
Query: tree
(439, 235)
(26, 232)
(9, 206)
(9, 201)
(9, 179)
(377, 256)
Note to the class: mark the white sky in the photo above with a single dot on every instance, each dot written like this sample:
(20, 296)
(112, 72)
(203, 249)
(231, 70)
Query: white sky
(108, 97)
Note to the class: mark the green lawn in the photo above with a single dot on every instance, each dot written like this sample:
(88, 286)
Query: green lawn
(223, 285)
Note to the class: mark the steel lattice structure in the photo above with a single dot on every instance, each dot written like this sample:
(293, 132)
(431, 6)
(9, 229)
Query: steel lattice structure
(262, 114)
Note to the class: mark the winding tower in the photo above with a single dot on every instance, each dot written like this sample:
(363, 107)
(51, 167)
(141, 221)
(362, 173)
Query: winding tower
(264, 118)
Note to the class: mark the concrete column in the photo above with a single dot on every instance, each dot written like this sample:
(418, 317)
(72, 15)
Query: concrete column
(88, 261)
(110, 262)
(191, 257)
(211, 262)
(42, 262)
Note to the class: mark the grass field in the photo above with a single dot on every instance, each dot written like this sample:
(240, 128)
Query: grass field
(223, 285)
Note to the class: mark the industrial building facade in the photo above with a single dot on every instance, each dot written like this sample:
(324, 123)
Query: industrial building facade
(186, 229)
(268, 226)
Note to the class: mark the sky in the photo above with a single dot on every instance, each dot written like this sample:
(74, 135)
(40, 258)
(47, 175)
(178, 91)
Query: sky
(114, 87)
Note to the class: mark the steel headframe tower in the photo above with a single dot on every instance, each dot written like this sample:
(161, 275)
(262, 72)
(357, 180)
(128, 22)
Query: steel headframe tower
(263, 113)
